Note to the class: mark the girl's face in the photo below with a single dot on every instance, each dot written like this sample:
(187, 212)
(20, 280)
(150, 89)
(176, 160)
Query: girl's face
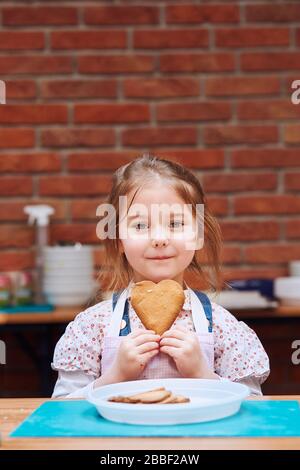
(156, 233)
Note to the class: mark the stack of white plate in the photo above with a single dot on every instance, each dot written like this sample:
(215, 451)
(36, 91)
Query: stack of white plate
(68, 274)
(287, 289)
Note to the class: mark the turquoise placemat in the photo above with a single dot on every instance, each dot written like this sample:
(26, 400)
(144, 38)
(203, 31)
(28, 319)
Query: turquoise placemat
(30, 308)
(80, 419)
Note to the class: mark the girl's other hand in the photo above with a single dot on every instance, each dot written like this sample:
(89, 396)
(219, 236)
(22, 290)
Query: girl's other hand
(133, 354)
(183, 346)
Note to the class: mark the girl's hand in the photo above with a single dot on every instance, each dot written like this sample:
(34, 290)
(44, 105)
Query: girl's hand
(134, 352)
(183, 346)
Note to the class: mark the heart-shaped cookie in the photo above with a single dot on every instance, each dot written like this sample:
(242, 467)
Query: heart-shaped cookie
(157, 305)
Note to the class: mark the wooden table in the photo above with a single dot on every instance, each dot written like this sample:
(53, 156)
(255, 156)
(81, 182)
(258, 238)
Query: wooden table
(14, 411)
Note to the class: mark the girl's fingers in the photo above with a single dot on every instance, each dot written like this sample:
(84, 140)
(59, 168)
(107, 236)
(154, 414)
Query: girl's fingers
(176, 343)
(144, 358)
(145, 338)
(175, 333)
(139, 331)
(146, 347)
(170, 350)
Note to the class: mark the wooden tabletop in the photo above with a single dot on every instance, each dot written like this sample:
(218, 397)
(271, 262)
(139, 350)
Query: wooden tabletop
(14, 411)
(58, 315)
(67, 314)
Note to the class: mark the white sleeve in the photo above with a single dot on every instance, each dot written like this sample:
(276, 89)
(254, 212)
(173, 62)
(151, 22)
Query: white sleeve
(72, 384)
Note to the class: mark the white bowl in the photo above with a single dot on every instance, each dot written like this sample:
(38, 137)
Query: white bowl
(68, 264)
(69, 273)
(209, 400)
(294, 268)
(67, 250)
(287, 290)
(66, 299)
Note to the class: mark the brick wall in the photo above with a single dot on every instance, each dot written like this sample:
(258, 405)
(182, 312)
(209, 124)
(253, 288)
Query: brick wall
(92, 84)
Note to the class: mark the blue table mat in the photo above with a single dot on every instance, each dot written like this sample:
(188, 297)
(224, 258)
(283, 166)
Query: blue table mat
(78, 418)
(29, 308)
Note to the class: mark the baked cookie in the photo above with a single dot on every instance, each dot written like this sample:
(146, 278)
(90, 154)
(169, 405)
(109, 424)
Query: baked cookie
(157, 305)
(155, 396)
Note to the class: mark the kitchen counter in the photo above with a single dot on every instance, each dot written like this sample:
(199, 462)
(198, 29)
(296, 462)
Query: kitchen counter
(14, 411)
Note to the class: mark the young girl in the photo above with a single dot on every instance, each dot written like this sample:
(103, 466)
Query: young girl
(107, 343)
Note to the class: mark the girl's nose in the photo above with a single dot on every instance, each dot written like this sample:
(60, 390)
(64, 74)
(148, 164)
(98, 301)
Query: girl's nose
(156, 243)
(160, 239)
(159, 236)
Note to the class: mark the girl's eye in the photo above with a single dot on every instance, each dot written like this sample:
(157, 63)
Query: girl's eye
(178, 223)
(139, 225)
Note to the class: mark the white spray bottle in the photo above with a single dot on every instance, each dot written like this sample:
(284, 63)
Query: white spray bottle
(39, 213)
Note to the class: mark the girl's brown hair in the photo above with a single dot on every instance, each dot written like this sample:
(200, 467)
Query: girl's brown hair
(116, 272)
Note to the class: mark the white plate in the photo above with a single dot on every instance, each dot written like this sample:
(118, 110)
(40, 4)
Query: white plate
(209, 400)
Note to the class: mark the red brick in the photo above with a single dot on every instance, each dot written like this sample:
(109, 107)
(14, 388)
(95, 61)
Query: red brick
(292, 181)
(292, 229)
(205, 111)
(29, 162)
(20, 89)
(242, 86)
(16, 236)
(14, 211)
(75, 185)
(115, 15)
(240, 134)
(203, 62)
(10, 40)
(217, 13)
(82, 233)
(115, 64)
(88, 39)
(163, 39)
(231, 254)
(233, 273)
(79, 89)
(272, 204)
(16, 260)
(161, 87)
(110, 160)
(16, 186)
(207, 158)
(284, 12)
(252, 61)
(232, 182)
(66, 137)
(275, 109)
(289, 81)
(31, 16)
(34, 64)
(218, 205)
(252, 37)
(262, 158)
(111, 113)
(140, 136)
(16, 138)
(272, 253)
(34, 113)
(292, 133)
(250, 230)
(85, 208)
